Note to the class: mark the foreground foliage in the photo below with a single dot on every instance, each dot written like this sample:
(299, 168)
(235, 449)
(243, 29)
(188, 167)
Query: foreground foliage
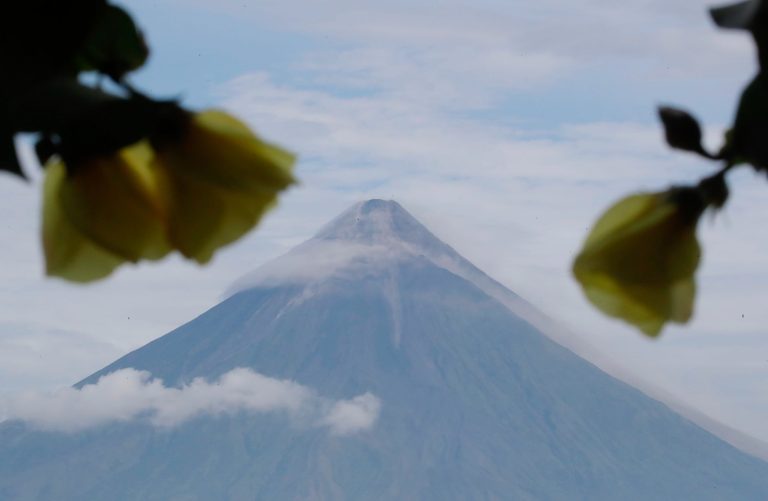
(639, 261)
(128, 177)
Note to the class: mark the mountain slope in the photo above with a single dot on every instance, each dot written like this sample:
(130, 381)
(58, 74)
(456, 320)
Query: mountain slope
(476, 403)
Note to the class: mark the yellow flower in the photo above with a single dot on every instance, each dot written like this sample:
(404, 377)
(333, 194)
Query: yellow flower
(638, 263)
(69, 254)
(197, 191)
(116, 202)
(102, 212)
(220, 180)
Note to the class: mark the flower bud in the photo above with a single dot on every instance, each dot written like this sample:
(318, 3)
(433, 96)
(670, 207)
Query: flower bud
(639, 260)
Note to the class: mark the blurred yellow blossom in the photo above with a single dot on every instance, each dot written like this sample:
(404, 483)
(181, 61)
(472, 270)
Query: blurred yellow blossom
(639, 260)
(116, 202)
(204, 188)
(68, 253)
(220, 180)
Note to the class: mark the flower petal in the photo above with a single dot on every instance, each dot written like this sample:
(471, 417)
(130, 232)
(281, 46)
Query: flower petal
(220, 149)
(619, 215)
(114, 200)
(203, 217)
(68, 254)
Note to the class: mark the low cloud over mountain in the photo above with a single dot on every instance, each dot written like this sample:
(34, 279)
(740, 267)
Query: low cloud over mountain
(132, 395)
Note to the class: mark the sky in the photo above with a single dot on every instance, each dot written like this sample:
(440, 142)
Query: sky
(504, 126)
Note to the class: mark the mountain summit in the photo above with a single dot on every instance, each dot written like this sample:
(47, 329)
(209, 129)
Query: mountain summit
(376, 235)
(377, 221)
(475, 402)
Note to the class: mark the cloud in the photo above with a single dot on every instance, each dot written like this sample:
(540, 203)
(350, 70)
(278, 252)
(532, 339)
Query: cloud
(350, 416)
(309, 262)
(132, 395)
(498, 46)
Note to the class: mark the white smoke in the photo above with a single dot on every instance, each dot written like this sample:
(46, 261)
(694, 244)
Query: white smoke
(132, 395)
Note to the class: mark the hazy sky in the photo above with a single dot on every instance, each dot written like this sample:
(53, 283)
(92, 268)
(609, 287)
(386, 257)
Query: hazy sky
(505, 126)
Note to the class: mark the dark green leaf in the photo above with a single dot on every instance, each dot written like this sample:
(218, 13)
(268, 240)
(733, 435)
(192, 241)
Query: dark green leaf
(45, 148)
(751, 15)
(750, 128)
(109, 126)
(114, 46)
(40, 38)
(714, 190)
(49, 106)
(681, 130)
(8, 160)
(87, 121)
(736, 16)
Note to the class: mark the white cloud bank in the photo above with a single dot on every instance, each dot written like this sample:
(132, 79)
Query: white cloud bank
(132, 395)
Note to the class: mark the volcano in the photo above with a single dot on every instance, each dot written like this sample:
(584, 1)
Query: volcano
(476, 403)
